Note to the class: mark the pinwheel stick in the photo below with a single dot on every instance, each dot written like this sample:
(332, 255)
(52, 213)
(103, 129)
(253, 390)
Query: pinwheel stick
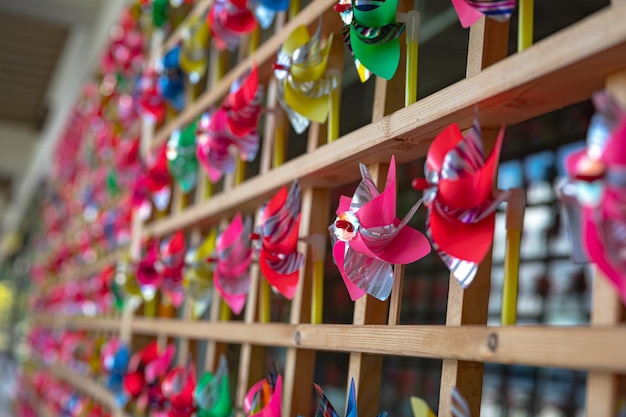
(526, 24)
(412, 21)
(317, 243)
(514, 224)
(334, 99)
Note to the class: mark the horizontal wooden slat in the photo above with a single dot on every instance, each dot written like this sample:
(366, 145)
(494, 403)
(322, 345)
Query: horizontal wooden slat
(549, 346)
(276, 334)
(561, 70)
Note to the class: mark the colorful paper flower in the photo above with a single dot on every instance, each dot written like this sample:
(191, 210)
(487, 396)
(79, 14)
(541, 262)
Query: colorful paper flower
(459, 193)
(326, 409)
(304, 85)
(172, 79)
(371, 34)
(594, 193)
(279, 258)
(368, 238)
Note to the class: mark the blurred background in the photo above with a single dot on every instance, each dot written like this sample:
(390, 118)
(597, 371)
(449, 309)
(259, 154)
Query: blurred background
(48, 48)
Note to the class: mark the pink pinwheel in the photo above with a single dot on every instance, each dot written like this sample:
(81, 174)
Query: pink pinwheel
(178, 387)
(173, 262)
(255, 397)
(278, 256)
(233, 124)
(368, 238)
(148, 276)
(231, 276)
(469, 11)
(229, 20)
(595, 192)
(458, 190)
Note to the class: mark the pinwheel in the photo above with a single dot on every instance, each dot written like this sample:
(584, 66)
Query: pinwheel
(458, 191)
(172, 264)
(148, 275)
(229, 20)
(181, 156)
(304, 86)
(265, 397)
(151, 103)
(368, 238)
(326, 409)
(172, 79)
(178, 387)
(371, 34)
(212, 393)
(198, 274)
(233, 257)
(194, 54)
(158, 179)
(594, 194)
(233, 125)
(278, 256)
(469, 11)
(145, 370)
(265, 10)
(114, 357)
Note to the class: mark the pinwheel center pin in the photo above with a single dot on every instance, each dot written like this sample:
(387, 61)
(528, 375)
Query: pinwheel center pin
(346, 226)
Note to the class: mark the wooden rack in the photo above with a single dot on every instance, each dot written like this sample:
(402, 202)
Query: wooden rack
(563, 69)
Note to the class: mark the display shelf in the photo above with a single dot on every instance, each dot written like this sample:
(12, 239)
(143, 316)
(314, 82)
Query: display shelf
(524, 85)
(560, 347)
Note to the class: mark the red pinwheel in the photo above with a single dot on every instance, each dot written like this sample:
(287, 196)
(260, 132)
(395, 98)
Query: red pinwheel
(148, 276)
(229, 20)
(459, 193)
(178, 387)
(278, 256)
(233, 124)
(158, 180)
(368, 238)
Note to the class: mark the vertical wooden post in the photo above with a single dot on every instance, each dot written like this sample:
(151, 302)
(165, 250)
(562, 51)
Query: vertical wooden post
(252, 358)
(606, 307)
(364, 368)
(488, 43)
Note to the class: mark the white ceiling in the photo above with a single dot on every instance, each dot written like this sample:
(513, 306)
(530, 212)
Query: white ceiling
(25, 150)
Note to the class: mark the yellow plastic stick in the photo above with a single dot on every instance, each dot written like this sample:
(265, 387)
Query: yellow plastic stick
(411, 73)
(280, 139)
(225, 313)
(317, 243)
(514, 224)
(526, 24)
(294, 8)
(412, 21)
(334, 102)
(317, 309)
